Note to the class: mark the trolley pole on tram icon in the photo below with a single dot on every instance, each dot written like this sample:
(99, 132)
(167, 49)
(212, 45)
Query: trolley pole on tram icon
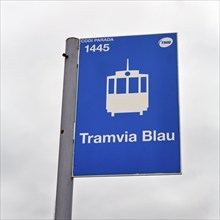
(127, 92)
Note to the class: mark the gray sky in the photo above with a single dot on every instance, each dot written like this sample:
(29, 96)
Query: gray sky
(33, 38)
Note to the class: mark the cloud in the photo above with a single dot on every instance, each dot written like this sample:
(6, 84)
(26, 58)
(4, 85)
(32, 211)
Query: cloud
(33, 39)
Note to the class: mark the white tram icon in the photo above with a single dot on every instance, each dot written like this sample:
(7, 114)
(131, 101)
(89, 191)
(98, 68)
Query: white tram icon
(127, 91)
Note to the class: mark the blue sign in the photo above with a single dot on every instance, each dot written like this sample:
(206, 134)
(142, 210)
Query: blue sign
(127, 119)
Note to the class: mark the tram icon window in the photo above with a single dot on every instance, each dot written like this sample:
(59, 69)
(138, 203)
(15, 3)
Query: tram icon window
(127, 91)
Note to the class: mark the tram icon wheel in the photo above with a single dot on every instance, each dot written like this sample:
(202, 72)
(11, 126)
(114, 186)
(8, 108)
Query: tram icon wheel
(127, 92)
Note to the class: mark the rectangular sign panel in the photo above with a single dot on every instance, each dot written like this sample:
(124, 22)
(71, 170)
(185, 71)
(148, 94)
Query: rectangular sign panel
(127, 119)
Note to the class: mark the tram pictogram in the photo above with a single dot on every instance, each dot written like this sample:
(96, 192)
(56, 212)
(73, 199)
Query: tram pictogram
(127, 92)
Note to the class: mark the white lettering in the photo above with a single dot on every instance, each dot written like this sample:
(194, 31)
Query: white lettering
(161, 137)
(110, 138)
(154, 136)
(126, 136)
(172, 138)
(132, 138)
(97, 139)
(147, 135)
(86, 40)
(120, 138)
(83, 137)
(89, 138)
(103, 39)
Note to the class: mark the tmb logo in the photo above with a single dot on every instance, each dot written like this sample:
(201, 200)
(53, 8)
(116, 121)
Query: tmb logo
(165, 42)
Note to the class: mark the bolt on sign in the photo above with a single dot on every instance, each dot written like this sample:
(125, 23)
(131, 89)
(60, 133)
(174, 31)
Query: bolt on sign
(127, 112)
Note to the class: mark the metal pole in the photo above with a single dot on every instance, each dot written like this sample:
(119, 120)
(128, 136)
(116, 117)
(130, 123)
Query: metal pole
(63, 208)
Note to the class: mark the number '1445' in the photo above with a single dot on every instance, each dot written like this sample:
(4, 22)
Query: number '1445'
(100, 48)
